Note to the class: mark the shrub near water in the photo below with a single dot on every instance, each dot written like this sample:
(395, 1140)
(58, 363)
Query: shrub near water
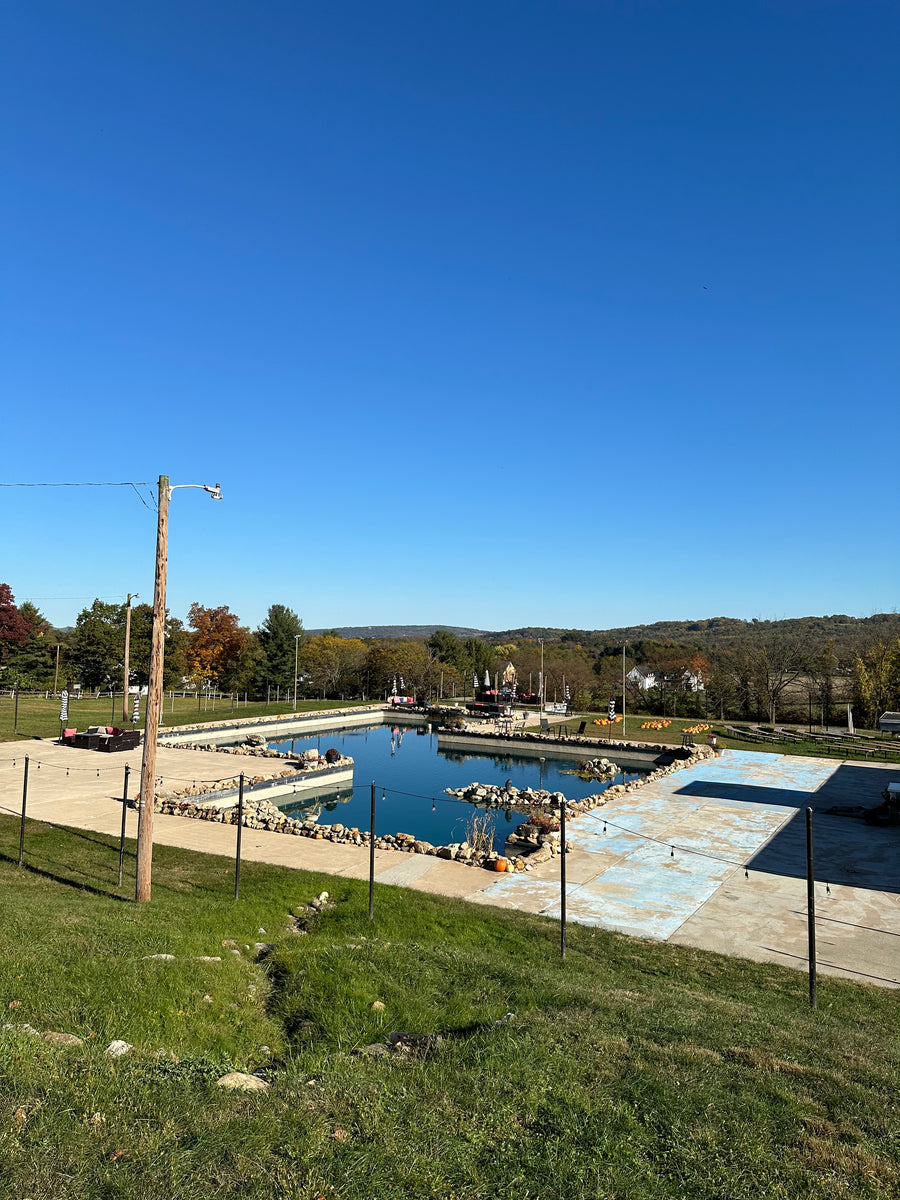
(632, 1069)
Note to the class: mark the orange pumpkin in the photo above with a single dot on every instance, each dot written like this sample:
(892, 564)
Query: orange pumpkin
(500, 864)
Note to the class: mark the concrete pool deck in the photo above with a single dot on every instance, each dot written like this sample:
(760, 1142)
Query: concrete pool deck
(740, 811)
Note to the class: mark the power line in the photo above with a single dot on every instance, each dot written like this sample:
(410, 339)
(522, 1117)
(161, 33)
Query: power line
(127, 483)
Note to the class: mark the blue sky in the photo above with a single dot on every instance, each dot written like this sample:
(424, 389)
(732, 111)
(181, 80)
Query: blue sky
(576, 314)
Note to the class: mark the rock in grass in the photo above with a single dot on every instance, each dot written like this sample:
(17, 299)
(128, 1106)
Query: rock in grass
(117, 1048)
(377, 1006)
(245, 1083)
(62, 1039)
(414, 1043)
(29, 1029)
(158, 958)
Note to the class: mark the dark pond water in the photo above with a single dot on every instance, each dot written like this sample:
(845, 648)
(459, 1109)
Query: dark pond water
(408, 767)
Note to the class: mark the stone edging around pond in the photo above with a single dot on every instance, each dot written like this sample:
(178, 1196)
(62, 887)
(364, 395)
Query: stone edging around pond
(536, 738)
(262, 814)
(171, 801)
(248, 722)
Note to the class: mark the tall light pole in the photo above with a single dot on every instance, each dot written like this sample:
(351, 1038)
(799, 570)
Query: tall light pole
(125, 713)
(624, 644)
(154, 688)
(296, 652)
(543, 687)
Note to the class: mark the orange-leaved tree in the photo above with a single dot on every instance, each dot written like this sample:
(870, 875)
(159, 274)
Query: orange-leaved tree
(215, 644)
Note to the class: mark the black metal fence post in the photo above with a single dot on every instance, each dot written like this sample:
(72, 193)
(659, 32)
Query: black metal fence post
(122, 834)
(562, 878)
(237, 851)
(372, 857)
(24, 802)
(811, 907)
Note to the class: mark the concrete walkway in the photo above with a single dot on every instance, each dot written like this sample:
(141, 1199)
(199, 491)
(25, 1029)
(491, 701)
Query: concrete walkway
(741, 811)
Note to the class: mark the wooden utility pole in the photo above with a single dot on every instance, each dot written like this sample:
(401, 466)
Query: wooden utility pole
(154, 700)
(125, 713)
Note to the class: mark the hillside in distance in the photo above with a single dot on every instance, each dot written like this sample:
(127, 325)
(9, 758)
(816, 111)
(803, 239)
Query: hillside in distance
(414, 632)
(851, 635)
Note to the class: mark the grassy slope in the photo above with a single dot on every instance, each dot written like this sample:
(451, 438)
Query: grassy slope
(632, 1069)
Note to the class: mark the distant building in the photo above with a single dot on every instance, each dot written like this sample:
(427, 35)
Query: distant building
(642, 677)
(692, 682)
(889, 722)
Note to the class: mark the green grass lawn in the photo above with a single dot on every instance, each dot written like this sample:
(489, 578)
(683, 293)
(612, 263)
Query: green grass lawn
(670, 736)
(632, 1069)
(40, 718)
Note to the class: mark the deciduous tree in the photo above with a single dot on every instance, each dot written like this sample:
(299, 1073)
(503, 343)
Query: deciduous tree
(877, 673)
(215, 643)
(98, 643)
(13, 627)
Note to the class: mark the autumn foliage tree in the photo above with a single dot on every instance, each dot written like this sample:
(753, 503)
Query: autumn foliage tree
(13, 626)
(216, 644)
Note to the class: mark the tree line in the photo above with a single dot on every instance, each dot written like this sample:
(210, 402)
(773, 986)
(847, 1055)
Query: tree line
(787, 671)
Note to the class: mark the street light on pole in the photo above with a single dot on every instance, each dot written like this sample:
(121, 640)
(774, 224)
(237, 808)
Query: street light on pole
(154, 688)
(125, 713)
(543, 685)
(296, 652)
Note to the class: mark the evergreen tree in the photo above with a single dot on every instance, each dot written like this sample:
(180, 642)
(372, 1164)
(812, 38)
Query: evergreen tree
(276, 637)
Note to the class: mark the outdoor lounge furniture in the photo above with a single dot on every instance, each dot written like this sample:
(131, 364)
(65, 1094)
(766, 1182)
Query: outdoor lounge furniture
(103, 737)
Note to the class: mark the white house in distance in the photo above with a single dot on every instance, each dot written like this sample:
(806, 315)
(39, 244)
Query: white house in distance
(642, 677)
(646, 678)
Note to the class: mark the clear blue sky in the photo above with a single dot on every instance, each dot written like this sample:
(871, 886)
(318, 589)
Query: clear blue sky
(572, 313)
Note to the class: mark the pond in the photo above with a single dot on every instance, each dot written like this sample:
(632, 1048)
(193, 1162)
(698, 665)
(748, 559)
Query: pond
(412, 772)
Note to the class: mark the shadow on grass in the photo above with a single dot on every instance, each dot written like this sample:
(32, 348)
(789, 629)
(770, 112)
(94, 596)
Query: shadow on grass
(80, 886)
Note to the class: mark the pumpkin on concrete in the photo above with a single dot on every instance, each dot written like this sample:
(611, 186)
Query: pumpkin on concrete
(500, 864)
